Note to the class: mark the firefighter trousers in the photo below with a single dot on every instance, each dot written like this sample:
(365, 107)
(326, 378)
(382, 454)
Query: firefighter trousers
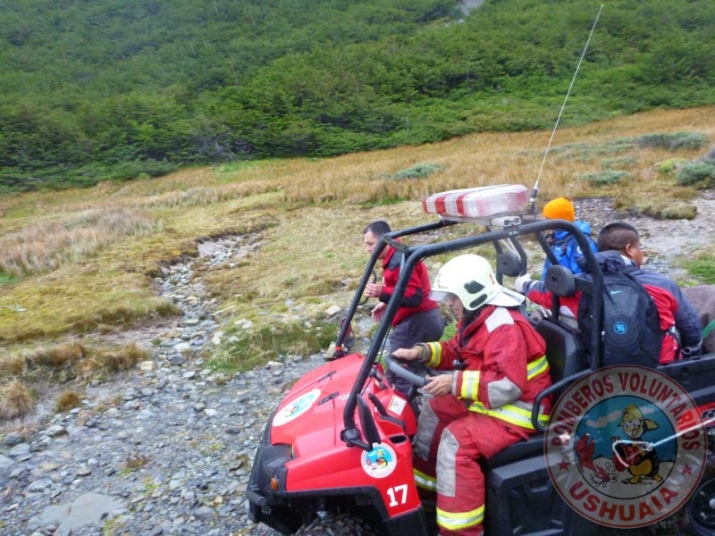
(450, 441)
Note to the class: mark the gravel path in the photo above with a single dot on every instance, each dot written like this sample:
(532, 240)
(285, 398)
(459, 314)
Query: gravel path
(167, 448)
(163, 449)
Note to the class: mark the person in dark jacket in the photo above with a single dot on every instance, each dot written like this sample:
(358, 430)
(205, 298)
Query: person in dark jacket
(419, 318)
(563, 244)
(619, 246)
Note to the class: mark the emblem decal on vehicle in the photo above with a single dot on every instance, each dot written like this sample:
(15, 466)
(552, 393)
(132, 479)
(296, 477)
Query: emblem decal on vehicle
(625, 446)
(295, 408)
(380, 461)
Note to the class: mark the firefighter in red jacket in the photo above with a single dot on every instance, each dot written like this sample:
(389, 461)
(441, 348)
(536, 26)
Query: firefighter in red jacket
(418, 319)
(485, 404)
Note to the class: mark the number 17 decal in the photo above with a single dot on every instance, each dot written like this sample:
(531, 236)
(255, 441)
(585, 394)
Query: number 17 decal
(398, 495)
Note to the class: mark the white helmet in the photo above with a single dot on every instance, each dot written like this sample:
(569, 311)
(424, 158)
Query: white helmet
(472, 280)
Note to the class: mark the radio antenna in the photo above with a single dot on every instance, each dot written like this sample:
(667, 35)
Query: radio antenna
(535, 191)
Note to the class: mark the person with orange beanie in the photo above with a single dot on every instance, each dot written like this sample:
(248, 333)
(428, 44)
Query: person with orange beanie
(562, 243)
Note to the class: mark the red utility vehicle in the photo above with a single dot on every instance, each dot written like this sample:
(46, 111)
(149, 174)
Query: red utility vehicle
(336, 456)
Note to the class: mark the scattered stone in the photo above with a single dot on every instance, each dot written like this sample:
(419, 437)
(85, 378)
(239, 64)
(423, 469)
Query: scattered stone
(20, 452)
(6, 462)
(171, 438)
(87, 508)
(55, 430)
(182, 348)
(13, 438)
(333, 310)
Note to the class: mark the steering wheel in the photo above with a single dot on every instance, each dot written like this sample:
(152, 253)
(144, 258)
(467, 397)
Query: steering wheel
(393, 365)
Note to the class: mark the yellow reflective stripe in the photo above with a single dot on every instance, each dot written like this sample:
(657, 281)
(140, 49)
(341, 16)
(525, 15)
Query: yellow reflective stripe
(537, 367)
(435, 357)
(510, 413)
(457, 521)
(470, 385)
(424, 481)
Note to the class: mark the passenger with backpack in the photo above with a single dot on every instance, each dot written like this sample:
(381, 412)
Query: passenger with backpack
(563, 244)
(649, 328)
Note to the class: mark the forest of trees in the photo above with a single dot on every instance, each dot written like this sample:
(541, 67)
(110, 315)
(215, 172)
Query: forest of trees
(98, 89)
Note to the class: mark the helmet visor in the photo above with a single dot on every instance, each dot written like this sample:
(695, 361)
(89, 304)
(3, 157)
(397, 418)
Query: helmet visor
(506, 298)
(439, 295)
(503, 298)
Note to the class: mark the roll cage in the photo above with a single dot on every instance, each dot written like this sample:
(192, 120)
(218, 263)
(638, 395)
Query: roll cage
(503, 229)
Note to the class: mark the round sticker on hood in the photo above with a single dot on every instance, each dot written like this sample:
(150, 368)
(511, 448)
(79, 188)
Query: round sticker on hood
(297, 407)
(380, 461)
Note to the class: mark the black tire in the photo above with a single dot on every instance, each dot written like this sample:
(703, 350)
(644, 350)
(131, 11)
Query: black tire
(701, 509)
(340, 525)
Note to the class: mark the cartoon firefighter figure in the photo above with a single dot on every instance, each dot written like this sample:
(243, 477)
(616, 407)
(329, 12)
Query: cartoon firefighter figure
(638, 456)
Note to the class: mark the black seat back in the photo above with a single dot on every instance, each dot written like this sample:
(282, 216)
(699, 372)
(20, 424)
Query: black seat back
(564, 349)
(565, 354)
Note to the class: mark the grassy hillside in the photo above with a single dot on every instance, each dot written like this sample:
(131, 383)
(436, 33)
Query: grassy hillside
(118, 89)
(79, 264)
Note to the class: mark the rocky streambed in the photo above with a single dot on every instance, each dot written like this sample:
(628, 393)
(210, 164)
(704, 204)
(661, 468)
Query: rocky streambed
(163, 449)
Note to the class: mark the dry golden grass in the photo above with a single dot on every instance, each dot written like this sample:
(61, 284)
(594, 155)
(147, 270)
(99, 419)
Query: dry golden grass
(15, 400)
(70, 360)
(45, 245)
(13, 365)
(67, 400)
(123, 358)
(87, 258)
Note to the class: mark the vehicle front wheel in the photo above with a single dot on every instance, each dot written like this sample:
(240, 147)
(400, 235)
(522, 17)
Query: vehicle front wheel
(702, 509)
(340, 525)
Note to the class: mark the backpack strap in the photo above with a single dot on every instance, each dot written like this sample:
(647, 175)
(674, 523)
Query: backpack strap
(708, 328)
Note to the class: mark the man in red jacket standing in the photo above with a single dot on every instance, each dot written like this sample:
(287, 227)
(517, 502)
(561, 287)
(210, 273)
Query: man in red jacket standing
(483, 406)
(418, 319)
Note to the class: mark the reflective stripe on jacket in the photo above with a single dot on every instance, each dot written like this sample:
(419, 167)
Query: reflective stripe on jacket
(505, 366)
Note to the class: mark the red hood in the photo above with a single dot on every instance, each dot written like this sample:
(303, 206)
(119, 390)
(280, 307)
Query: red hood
(311, 413)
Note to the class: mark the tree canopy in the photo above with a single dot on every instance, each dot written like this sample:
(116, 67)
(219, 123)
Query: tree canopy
(97, 89)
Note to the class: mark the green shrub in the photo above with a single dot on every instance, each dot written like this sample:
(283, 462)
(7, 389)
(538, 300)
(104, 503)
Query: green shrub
(6, 279)
(670, 165)
(700, 174)
(671, 210)
(609, 176)
(419, 171)
(673, 140)
(622, 162)
(703, 267)
(137, 168)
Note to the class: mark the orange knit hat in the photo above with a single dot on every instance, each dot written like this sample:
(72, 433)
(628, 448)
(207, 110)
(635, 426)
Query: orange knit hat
(560, 208)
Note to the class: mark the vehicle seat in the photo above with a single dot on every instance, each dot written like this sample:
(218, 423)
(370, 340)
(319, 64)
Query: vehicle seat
(564, 349)
(566, 356)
